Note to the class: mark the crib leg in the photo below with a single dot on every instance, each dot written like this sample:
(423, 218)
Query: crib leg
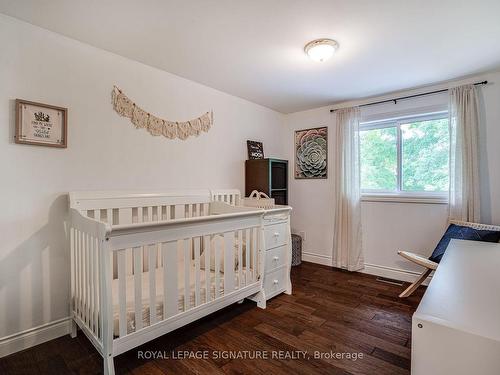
(261, 299)
(109, 366)
(74, 329)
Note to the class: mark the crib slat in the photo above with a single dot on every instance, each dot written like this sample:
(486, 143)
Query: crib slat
(247, 255)
(72, 269)
(187, 266)
(95, 274)
(216, 248)
(254, 254)
(228, 262)
(85, 277)
(122, 296)
(144, 218)
(152, 284)
(77, 272)
(91, 282)
(206, 252)
(138, 287)
(240, 257)
(75, 244)
(197, 270)
(82, 276)
(170, 287)
(80, 249)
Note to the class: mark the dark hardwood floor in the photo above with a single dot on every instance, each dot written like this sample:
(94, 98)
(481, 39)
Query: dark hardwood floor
(329, 311)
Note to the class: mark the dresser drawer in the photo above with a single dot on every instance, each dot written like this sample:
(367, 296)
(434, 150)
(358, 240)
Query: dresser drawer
(275, 235)
(274, 282)
(275, 258)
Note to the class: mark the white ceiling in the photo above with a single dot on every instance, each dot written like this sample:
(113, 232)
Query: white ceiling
(254, 49)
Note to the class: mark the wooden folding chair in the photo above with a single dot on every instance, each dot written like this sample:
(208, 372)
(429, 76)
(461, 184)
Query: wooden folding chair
(428, 264)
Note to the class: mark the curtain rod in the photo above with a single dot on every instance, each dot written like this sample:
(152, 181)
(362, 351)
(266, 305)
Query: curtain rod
(395, 100)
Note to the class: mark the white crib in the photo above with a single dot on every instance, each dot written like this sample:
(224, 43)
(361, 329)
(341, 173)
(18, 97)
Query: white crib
(143, 265)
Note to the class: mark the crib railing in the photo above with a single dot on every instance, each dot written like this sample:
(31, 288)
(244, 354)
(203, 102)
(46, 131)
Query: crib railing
(126, 280)
(144, 214)
(229, 196)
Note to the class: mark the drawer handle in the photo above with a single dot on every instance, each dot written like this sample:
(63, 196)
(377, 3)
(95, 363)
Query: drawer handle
(276, 258)
(275, 282)
(276, 234)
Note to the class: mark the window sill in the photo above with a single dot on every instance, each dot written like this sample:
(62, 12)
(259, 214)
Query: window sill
(397, 198)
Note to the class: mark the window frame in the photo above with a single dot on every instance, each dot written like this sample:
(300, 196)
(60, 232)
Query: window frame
(400, 195)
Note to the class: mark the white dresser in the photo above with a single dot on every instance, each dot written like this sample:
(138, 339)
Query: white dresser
(456, 328)
(278, 253)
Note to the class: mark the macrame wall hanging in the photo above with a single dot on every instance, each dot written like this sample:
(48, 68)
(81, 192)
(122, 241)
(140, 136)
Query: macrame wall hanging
(157, 126)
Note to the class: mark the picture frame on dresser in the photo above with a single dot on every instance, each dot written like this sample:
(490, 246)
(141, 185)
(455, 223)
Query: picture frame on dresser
(41, 124)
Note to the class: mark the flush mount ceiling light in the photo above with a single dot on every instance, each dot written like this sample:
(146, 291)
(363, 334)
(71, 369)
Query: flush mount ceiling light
(321, 49)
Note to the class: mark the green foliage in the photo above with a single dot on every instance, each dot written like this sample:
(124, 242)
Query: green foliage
(378, 159)
(425, 156)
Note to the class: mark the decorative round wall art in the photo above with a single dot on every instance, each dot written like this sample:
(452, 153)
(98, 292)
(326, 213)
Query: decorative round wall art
(311, 153)
(155, 125)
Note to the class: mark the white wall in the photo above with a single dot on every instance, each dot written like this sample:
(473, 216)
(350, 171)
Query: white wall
(104, 151)
(388, 227)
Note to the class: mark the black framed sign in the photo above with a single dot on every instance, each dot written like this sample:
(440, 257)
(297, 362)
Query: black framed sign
(255, 150)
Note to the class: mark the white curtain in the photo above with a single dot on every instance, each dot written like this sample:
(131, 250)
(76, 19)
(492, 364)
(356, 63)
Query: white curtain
(347, 246)
(464, 166)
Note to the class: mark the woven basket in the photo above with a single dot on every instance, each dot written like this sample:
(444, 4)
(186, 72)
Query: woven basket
(296, 249)
(258, 199)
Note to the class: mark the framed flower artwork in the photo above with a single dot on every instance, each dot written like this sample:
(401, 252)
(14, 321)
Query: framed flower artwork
(311, 153)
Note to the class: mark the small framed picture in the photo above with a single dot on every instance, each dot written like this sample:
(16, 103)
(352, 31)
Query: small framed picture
(255, 150)
(41, 124)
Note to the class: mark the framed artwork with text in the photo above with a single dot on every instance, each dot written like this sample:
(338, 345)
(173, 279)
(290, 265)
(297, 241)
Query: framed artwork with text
(255, 150)
(41, 124)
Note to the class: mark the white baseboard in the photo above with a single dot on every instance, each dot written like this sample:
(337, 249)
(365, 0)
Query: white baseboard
(325, 260)
(371, 269)
(34, 336)
(394, 273)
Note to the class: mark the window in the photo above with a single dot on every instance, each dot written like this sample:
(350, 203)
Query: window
(405, 156)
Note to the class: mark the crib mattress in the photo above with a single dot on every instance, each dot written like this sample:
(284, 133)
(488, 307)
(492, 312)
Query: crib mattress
(130, 294)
